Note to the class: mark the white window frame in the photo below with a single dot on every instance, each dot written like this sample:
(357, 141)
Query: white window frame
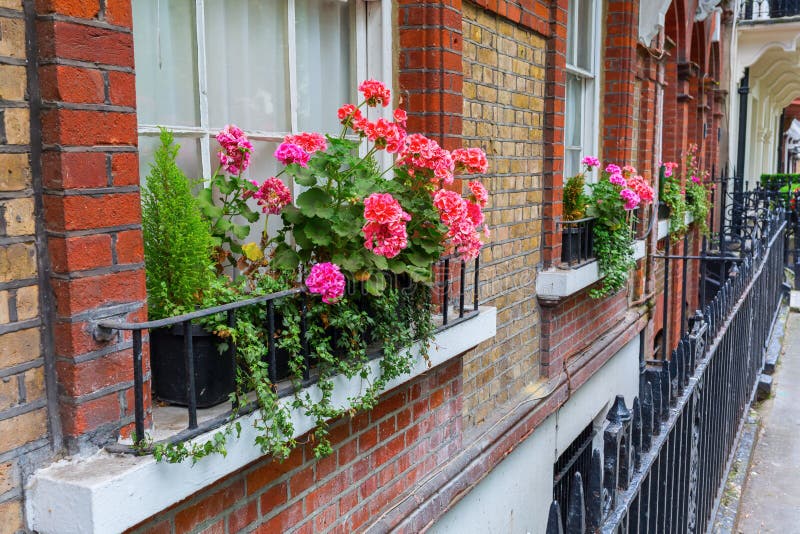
(590, 93)
(368, 14)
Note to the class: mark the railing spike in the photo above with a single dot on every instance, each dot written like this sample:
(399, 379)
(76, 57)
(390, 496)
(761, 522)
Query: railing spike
(619, 413)
(636, 430)
(576, 511)
(594, 500)
(554, 520)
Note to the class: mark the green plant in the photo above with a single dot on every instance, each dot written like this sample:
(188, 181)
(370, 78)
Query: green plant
(350, 228)
(177, 240)
(673, 195)
(698, 202)
(614, 197)
(574, 199)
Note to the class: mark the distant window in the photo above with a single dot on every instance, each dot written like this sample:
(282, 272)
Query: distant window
(581, 130)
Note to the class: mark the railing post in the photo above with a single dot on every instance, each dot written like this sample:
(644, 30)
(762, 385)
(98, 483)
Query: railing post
(554, 525)
(576, 511)
(138, 386)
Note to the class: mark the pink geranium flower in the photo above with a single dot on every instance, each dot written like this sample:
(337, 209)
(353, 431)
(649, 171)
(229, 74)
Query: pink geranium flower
(400, 117)
(472, 160)
(326, 279)
(385, 230)
(479, 193)
(386, 135)
(591, 161)
(236, 149)
(375, 93)
(616, 179)
(310, 142)
(613, 169)
(640, 186)
(631, 199)
(272, 196)
(291, 153)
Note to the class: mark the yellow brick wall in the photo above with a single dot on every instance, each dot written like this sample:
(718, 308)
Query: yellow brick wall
(23, 410)
(504, 73)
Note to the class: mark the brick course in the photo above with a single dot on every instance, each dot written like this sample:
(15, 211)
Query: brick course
(378, 458)
(504, 87)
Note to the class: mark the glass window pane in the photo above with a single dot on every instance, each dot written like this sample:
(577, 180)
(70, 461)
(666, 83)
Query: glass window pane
(325, 78)
(572, 162)
(573, 135)
(247, 57)
(572, 24)
(166, 62)
(188, 155)
(585, 35)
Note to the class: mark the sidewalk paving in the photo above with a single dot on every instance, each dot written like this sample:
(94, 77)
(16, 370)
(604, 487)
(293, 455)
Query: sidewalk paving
(771, 495)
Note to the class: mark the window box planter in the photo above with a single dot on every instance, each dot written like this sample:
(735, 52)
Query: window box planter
(577, 241)
(214, 373)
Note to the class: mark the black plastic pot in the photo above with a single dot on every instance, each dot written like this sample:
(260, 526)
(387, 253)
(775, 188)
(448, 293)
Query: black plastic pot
(663, 211)
(214, 373)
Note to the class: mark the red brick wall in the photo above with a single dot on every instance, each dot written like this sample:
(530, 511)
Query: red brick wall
(378, 457)
(91, 205)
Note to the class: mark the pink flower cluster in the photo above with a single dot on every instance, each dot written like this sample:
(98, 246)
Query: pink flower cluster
(640, 186)
(617, 179)
(471, 160)
(479, 193)
(326, 279)
(590, 162)
(669, 166)
(630, 198)
(385, 231)
(423, 153)
(235, 154)
(462, 219)
(310, 142)
(272, 196)
(375, 93)
(385, 134)
(291, 153)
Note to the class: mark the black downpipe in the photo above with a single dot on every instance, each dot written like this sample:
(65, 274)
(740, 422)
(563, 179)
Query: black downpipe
(738, 180)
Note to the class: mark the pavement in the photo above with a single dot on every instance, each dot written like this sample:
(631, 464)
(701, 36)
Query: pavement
(770, 500)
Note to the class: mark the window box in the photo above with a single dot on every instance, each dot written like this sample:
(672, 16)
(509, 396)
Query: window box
(577, 241)
(84, 494)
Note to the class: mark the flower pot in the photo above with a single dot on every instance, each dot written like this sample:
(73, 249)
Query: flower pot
(577, 244)
(663, 211)
(214, 373)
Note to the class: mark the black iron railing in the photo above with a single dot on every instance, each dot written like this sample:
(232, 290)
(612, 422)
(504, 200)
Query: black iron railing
(665, 458)
(450, 297)
(577, 241)
(768, 9)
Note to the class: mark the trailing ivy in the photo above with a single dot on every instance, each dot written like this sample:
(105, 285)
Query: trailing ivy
(613, 238)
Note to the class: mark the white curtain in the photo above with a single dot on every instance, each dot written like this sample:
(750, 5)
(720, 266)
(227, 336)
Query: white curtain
(247, 64)
(166, 62)
(324, 63)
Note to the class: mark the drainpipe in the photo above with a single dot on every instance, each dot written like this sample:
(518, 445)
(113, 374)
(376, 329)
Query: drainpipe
(738, 179)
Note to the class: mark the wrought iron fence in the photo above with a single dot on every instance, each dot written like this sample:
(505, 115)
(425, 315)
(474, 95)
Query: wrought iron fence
(768, 9)
(452, 282)
(577, 241)
(665, 457)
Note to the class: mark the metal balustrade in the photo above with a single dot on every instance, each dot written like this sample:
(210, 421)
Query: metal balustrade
(762, 10)
(665, 457)
(453, 282)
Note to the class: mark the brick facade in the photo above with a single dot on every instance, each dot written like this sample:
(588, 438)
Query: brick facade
(25, 428)
(504, 114)
(490, 74)
(91, 207)
(378, 459)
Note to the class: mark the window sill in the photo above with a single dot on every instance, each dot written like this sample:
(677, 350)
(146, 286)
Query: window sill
(663, 226)
(557, 284)
(84, 495)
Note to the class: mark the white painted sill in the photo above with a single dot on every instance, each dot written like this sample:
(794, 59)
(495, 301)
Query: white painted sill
(554, 284)
(106, 492)
(663, 225)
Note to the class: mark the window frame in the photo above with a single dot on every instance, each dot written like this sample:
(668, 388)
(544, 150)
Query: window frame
(590, 92)
(372, 32)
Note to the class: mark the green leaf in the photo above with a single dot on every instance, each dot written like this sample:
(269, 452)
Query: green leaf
(291, 215)
(301, 237)
(419, 274)
(226, 187)
(349, 262)
(419, 259)
(376, 284)
(318, 231)
(222, 226)
(285, 258)
(303, 175)
(315, 202)
(241, 231)
(250, 215)
(380, 262)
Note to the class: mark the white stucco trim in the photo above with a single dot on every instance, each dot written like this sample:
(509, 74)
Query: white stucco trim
(662, 228)
(560, 283)
(107, 493)
(651, 18)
